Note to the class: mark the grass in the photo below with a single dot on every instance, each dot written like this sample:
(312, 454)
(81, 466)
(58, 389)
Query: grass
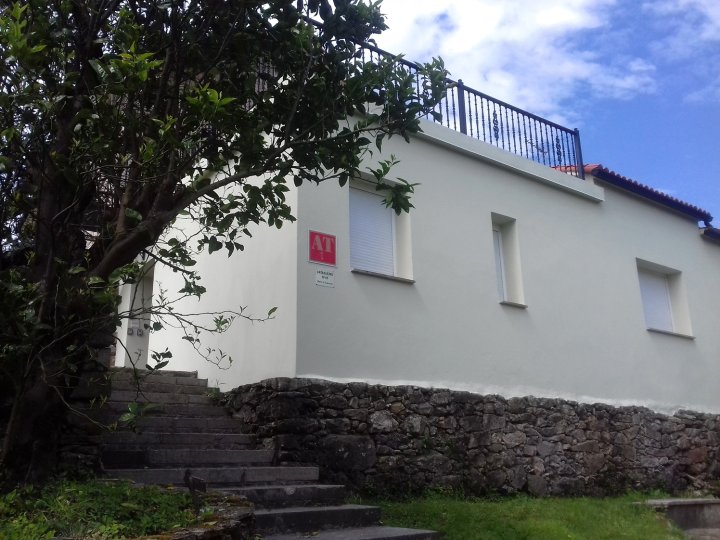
(91, 510)
(526, 518)
(100, 510)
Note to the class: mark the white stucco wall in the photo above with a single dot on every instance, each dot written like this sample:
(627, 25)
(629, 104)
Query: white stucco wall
(133, 335)
(583, 334)
(259, 278)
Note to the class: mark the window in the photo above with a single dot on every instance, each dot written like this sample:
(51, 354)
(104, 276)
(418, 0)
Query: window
(507, 261)
(379, 239)
(663, 299)
(499, 262)
(372, 233)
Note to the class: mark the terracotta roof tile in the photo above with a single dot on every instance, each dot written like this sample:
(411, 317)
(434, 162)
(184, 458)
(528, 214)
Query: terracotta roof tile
(611, 177)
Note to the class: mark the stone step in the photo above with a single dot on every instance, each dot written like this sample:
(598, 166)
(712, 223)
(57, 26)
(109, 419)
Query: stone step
(689, 513)
(181, 424)
(362, 533)
(191, 410)
(129, 440)
(128, 372)
(198, 387)
(315, 518)
(182, 457)
(129, 396)
(290, 495)
(703, 534)
(221, 476)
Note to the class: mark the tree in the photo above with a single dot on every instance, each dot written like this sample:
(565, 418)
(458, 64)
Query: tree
(118, 116)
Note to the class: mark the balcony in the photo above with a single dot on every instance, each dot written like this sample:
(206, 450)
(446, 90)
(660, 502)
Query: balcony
(495, 122)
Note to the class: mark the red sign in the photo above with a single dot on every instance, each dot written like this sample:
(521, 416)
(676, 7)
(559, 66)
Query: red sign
(322, 248)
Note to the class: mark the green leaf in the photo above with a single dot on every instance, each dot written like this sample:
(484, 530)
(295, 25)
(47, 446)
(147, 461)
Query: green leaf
(126, 418)
(133, 215)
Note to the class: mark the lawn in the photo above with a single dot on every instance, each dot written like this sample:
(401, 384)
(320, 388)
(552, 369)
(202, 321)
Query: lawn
(110, 510)
(526, 518)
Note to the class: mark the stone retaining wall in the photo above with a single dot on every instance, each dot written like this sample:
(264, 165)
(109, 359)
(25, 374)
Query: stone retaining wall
(404, 438)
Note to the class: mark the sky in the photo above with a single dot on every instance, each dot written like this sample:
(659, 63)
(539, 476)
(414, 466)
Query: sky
(640, 79)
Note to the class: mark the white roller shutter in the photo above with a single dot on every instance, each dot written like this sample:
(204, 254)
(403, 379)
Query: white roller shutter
(372, 235)
(656, 300)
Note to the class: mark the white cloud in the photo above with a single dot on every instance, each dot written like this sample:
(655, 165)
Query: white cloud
(708, 93)
(536, 55)
(690, 42)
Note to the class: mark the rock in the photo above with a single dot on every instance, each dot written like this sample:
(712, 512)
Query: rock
(287, 407)
(697, 455)
(407, 437)
(396, 407)
(383, 422)
(593, 463)
(493, 421)
(434, 462)
(514, 439)
(347, 452)
(587, 446)
(440, 398)
(415, 424)
(546, 448)
(335, 402)
(517, 477)
(471, 423)
(537, 485)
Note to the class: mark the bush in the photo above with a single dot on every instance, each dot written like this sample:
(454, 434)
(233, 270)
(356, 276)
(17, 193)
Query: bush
(96, 510)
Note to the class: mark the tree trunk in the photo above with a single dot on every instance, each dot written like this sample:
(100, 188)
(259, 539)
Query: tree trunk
(29, 453)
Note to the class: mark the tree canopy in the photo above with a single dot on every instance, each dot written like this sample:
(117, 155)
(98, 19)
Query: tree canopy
(118, 116)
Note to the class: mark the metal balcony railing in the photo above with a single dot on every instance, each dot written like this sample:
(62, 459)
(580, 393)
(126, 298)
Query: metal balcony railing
(495, 122)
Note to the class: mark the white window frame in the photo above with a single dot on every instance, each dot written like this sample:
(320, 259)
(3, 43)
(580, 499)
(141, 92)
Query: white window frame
(499, 263)
(399, 233)
(506, 251)
(663, 299)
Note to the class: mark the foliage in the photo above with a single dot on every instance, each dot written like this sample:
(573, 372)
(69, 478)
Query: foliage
(522, 517)
(118, 118)
(97, 510)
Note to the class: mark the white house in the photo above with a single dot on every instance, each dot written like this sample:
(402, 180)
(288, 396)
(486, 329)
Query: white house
(509, 276)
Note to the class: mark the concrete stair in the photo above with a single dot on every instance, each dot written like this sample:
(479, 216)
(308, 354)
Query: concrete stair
(361, 533)
(703, 534)
(186, 430)
(698, 518)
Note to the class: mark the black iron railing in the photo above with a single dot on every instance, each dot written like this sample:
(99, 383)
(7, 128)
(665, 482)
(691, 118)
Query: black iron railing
(505, 126)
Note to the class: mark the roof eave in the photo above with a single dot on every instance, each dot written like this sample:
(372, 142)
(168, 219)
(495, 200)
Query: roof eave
(712, 234)
(609, 177)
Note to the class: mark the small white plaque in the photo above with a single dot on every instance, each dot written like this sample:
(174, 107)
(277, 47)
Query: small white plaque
(325, 278)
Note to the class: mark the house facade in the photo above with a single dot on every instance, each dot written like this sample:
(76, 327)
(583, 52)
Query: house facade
(508, 277)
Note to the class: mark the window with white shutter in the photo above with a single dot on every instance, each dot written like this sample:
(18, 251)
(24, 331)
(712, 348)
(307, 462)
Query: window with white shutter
(372, 233)
(655, 294)
(664, 300)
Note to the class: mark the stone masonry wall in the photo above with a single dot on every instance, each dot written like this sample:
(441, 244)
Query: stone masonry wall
(402, 439)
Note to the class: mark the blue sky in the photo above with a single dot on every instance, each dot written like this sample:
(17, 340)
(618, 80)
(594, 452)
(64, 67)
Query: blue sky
(640, 79)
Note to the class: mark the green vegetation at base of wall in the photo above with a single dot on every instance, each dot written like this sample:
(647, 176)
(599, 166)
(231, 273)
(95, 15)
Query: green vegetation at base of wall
(95, 509)
(523, 518)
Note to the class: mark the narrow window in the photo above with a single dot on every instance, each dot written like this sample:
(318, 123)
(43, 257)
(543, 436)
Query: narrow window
(499, 264)
(508, 272)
